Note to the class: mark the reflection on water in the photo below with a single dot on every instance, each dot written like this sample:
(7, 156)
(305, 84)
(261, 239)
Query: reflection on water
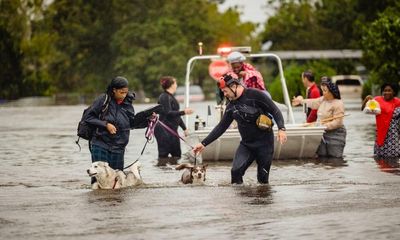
(167, 161)
(258, 195)
(390, 165)
(111, 197)
(45, 190)
(333, 162)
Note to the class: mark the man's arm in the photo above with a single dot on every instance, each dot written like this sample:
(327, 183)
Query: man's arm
(216, 132)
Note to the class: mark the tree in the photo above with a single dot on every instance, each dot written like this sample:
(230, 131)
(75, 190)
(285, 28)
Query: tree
(149, 45)
(56, 47)
(293, 78)
(83, 32)
(15, 31)
(381, 44)
(296, 27)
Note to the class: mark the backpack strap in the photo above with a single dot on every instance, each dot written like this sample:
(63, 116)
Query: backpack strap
(105, 105)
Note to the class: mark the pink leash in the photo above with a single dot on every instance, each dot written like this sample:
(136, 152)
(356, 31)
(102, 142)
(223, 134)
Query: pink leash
(173, 132)
(149, 136)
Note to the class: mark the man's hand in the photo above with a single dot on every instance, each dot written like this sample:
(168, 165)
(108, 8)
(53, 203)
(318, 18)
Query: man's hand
(281, 138)
(198, 148)
(111, 128)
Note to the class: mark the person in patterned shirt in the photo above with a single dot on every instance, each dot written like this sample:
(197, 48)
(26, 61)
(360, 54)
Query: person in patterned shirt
(387, 143)
(249, 76)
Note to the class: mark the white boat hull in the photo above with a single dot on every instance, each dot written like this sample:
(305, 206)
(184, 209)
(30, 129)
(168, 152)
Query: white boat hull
(302, 143)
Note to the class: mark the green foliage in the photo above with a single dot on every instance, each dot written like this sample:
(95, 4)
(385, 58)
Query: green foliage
(83, 33)
(367, 89)
(63, 47)
(295, 27)
(11, 35)
(322, 24)
(382, 47)
(148, 48)
(292, 73)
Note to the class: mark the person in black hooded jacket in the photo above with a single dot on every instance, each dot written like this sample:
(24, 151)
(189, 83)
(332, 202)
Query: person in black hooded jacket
(114, 124)
(171, 116)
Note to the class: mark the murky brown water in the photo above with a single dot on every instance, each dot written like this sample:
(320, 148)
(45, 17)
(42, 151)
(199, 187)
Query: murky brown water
(45, 194)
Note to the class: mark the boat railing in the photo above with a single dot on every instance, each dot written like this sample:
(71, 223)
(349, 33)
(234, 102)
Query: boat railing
(285, 92)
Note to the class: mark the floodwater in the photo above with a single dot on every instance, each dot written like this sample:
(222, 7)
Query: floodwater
(45, 192)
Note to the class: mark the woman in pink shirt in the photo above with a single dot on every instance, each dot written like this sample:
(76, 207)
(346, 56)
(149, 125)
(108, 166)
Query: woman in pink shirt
(387, 143)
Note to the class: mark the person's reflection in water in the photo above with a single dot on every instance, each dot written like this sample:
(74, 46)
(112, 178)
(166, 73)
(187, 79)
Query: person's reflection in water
(162, 162)
(389, 165)
(260, 194)
(333, 162)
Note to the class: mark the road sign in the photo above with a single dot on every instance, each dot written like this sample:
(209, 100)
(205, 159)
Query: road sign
(217, 68)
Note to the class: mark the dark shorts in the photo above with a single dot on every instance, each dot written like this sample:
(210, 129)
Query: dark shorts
(115, 160)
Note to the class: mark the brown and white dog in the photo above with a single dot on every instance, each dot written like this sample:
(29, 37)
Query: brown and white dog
(108, 178)
(193, 174)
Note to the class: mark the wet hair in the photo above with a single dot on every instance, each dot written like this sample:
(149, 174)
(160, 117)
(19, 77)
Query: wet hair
(333, 88)
(309, 75)
(117, 83)
(166, 82)
(394, 86)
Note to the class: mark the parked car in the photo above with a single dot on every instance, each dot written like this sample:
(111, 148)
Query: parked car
(195, 93)
(350, 86)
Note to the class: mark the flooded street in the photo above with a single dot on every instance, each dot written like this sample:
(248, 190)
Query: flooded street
(45, 191)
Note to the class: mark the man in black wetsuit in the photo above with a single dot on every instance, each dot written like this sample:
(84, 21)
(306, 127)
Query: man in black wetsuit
(245, 106)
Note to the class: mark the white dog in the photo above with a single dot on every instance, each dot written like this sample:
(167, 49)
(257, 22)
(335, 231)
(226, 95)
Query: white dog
(108, 178)
(193, 174)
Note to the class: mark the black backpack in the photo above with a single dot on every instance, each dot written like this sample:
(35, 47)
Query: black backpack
(85, 130)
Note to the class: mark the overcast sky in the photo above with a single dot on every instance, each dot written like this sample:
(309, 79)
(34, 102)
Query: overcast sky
(255, 11)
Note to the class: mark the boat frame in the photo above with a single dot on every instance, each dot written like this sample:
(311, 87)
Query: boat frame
(302, 141)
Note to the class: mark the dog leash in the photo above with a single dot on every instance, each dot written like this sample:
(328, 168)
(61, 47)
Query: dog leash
(149, 136)
(150, 133)
(173, 132)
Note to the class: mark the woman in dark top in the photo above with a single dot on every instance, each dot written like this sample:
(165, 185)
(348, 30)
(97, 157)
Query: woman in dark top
(171, 116)
(113, 126)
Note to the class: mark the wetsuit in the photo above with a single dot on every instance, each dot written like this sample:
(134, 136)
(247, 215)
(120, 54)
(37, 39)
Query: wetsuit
(255, 144)
(171, 116)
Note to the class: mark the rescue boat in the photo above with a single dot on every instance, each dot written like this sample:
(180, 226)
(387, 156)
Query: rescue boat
(303, 140)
